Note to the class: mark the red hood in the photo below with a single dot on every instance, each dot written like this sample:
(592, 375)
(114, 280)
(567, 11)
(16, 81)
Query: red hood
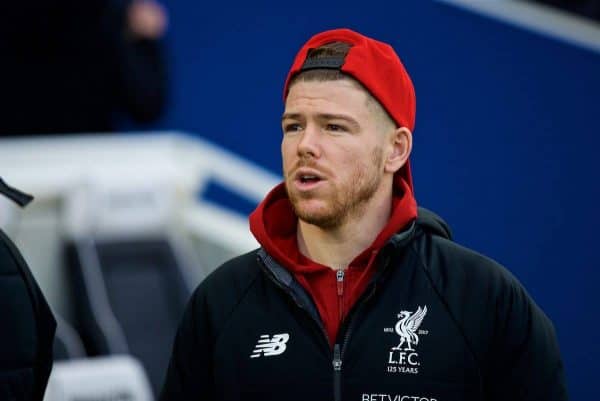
(274, 223)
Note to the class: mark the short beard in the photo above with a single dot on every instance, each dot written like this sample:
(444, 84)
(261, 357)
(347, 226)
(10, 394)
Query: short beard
(347, 203)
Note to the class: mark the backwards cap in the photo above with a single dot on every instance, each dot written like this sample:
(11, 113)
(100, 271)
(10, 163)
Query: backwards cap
(372, 63)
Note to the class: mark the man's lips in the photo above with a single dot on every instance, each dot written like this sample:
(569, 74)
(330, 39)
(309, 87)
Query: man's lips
(308, 174)
(306, 178)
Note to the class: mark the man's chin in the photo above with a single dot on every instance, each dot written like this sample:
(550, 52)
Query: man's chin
(322, 218)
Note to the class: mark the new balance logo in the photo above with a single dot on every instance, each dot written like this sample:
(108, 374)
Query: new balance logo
(270, 346)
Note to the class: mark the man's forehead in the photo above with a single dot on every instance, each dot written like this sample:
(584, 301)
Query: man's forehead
(341, 92)
(342, 79)
(337, 97)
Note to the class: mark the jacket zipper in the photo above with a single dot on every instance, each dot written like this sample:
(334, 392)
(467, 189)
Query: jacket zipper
(338, 349)
(340, 293)
(337, 355)
(337, 373)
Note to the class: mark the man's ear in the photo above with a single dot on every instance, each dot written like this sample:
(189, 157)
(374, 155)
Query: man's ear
(401, 145)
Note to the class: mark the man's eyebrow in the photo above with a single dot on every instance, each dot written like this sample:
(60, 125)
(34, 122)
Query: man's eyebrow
(291, 116)
(347, 118)
(329, 116)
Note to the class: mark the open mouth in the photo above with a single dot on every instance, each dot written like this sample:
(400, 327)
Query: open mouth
(305, 179)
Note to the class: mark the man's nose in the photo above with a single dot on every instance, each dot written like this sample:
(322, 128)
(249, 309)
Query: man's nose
(309, 144)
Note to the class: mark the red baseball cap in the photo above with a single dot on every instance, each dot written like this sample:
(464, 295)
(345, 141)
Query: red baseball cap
(372, 63)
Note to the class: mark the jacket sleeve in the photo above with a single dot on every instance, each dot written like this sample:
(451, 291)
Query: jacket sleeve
(26, 349)
(526, 363)
(190, 372)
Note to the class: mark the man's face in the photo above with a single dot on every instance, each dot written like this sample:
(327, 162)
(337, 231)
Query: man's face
(332, 151)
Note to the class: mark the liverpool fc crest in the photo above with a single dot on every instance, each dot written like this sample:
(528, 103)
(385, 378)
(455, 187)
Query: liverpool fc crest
(407, 328)
(403, 358)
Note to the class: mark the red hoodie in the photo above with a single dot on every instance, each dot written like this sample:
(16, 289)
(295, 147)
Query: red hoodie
(274, 224)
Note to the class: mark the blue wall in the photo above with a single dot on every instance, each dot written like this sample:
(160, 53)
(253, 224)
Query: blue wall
(506, 141)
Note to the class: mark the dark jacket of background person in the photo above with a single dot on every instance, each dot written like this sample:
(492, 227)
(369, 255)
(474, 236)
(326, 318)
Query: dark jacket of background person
(27, 329)
(69, 65)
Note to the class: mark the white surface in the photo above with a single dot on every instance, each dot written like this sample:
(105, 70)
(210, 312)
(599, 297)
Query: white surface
(114, 185)
(124, 186)
(539, 18)
(221, 225)
(104, 378)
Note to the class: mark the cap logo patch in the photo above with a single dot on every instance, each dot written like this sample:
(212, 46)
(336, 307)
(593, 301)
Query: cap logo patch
(330, 63)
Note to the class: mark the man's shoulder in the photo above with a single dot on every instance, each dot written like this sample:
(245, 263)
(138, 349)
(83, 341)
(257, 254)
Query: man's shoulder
(235, 274)
(452, 264)
(484, 298)
(217, 297)
(446, 259)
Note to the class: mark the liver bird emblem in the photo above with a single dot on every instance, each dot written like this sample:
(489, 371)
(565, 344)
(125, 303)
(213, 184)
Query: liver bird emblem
(407, 328)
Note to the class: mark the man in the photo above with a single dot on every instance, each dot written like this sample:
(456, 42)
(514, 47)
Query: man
(354, 295)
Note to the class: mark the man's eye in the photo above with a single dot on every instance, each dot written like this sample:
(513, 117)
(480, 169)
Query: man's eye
(335, 128)
(292, 127)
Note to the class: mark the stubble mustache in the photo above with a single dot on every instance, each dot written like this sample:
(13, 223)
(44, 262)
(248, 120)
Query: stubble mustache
(308, 162)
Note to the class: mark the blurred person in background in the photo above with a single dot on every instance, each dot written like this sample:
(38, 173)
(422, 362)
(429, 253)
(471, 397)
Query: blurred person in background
(69, 66)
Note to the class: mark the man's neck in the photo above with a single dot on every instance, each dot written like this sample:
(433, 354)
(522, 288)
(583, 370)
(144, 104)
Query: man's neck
(337, 247)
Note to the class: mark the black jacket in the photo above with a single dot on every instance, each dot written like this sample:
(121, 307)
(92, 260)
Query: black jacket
(28, 326)
(438, 322)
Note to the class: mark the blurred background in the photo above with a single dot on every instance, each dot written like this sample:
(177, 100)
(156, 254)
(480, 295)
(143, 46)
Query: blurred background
(147, 131)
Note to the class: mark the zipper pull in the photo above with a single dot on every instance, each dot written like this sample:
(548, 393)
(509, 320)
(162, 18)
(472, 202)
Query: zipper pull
(340, 282)
(337, 373)
(337, 358)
